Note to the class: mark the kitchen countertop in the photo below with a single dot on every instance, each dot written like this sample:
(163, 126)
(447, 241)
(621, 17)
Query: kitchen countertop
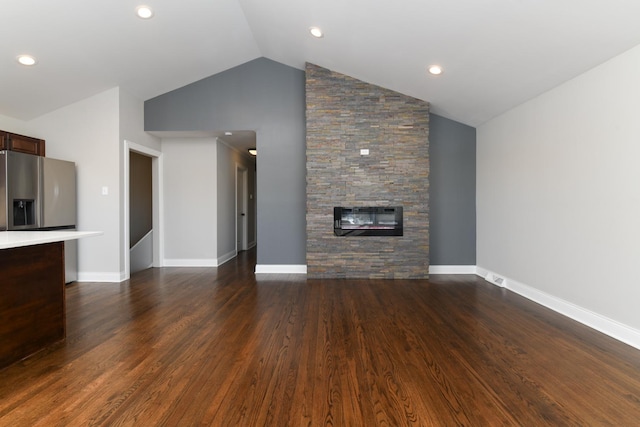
(16, 239)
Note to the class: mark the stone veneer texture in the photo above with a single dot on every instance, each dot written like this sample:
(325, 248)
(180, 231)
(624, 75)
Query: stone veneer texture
(345, 115)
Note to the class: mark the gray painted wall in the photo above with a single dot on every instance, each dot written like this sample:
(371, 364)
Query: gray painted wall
(452, 149)
(268, 98)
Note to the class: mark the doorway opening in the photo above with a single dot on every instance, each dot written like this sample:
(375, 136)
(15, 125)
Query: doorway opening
(242, 208)
(152, 241)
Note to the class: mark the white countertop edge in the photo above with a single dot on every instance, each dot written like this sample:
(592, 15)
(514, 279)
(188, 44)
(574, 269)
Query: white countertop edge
(16, 239)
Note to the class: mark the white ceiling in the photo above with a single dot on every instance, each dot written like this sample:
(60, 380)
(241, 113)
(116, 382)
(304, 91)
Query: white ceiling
(496, 53)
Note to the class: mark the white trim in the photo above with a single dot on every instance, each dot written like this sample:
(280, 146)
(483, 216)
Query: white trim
(226, 257)
(281, 269)
(206, 262)
(452, 269)
(610, 327)
(101, 277)
(481, 272)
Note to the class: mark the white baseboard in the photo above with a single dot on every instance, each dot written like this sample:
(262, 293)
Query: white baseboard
(281, 269)
(226, 257)
(100, 277)
(610, 327)
(452, 269)
(206, 262)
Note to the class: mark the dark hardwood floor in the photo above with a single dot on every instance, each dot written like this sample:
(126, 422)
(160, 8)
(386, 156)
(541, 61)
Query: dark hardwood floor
(207, 346)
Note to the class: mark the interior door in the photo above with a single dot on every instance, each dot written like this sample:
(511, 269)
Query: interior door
(241, 210)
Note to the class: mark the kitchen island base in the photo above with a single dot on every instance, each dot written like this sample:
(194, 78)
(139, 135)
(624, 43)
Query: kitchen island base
(32, 306)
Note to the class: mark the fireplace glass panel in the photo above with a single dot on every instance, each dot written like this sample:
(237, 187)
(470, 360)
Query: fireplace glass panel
(368, 221)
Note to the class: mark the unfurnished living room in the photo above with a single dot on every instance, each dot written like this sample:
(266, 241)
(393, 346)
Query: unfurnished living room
(295, 213)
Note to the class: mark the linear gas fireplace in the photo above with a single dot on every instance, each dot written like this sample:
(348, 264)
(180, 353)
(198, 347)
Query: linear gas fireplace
(368, 221)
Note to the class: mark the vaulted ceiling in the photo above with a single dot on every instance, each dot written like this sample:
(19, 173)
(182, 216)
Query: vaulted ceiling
(496, 54)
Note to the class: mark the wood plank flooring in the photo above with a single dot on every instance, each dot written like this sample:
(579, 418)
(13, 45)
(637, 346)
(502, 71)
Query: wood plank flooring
(215, 347)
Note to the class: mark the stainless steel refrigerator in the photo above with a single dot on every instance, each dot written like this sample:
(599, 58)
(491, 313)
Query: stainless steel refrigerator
(39, 193)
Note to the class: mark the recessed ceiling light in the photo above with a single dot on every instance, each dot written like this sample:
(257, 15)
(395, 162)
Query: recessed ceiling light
(228, 133)
(27, 60)
(436, 70)
(316, 32)
(252, 151)
(144, 12)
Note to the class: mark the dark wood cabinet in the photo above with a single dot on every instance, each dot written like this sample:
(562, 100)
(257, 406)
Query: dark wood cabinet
(32, 307)
(21, 143)
(3, 140)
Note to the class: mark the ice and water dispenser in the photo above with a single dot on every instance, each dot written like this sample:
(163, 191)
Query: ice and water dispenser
(19, 206)
(24, 213)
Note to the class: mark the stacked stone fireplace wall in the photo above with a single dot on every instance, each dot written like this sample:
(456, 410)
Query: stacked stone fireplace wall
(345, 115)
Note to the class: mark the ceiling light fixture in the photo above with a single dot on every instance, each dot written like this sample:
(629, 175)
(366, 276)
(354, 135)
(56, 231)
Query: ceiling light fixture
(228, 133)
(27, 60)
(144, 12)
(316, 32)
(436, 70)
(252, 151)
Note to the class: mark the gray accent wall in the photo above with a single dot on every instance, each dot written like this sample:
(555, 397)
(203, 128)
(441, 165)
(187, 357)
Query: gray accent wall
(268, 98)
(452, 148)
